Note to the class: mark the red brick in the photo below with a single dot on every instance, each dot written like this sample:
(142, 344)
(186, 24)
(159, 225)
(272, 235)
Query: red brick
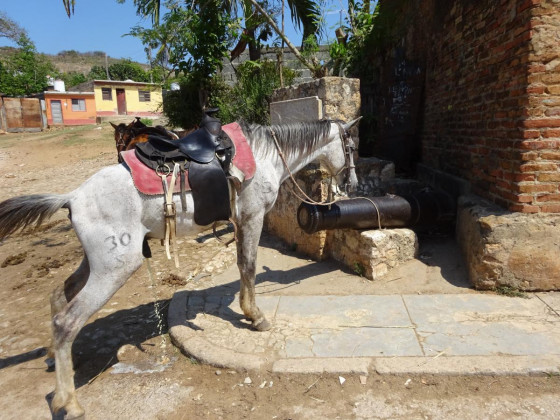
(536, 188)
(538, 144)
(519, 177)
(522, 198)
(538, 167)
(537, 68)
(544, 122)
(501, 184)
(551, 208)
(551, 133)
(551, 78)
(524, 208)
(530, 134)
(535, 89)
(548, 197)
(550, 155)
(549, 177)
(552, 112)
(528, 156)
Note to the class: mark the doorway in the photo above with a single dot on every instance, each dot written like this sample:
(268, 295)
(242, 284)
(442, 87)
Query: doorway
(56, 112)
(121, 102)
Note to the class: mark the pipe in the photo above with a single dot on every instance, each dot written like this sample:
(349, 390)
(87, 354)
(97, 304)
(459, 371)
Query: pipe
(390, 211)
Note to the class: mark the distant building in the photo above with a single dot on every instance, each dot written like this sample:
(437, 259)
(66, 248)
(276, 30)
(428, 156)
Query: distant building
(69, 108)
(61, 107)
(127, 97)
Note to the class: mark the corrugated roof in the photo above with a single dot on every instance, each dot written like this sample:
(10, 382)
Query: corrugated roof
(124, 82)
(69, 92)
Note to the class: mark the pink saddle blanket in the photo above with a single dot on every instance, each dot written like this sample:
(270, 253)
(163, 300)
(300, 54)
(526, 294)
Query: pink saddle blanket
(148, 182)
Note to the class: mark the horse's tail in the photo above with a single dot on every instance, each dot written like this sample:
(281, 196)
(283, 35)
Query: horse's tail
(19, 212)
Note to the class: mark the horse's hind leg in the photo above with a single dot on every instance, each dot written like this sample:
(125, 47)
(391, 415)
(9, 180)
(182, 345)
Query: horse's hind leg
(104, 279)
(65, 293)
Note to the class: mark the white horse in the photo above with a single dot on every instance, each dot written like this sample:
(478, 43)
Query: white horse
(111, 219)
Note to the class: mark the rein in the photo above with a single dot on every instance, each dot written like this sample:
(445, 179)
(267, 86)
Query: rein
(347, 148)
(120, 141)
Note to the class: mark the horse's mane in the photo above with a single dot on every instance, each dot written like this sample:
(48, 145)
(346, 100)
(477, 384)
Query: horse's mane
(293, 138)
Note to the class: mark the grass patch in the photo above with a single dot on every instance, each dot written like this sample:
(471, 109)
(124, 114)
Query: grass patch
(359, 269)
(510, 292)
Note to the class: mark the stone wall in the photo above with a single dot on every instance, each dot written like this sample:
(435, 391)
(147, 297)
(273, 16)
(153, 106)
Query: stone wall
(504, 248)
(303, 74)
(471, 89)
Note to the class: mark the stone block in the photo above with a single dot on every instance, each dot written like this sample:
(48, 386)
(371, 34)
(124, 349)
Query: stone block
(294, 110)
(372, 253)
(282, 219)
(339, 96)
(503, 248)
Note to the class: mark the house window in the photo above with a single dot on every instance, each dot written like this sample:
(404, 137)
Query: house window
(106, 94)
(78, 104)
(144, 95)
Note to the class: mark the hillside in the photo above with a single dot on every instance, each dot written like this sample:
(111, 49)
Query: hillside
(73, 61)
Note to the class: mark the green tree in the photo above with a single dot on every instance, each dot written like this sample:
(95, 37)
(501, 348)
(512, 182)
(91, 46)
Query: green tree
(256, 18)
(123, 70)
(97, 73)
(348, 51)
(72, 78)
(128, 69)
(190, 39)
(305, 15)
(25, 72)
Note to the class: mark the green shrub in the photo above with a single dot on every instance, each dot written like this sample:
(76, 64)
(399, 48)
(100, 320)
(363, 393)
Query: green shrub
(182, 107)
(249, 98)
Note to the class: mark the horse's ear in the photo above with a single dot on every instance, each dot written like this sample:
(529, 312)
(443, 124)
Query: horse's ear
(352, 123)
(114, 126)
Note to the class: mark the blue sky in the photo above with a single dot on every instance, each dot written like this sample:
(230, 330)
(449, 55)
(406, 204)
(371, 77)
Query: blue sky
(99, 25)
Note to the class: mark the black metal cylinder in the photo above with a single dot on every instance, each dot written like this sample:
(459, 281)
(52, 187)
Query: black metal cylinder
(355, 213)
(390, 211)
(431, 208)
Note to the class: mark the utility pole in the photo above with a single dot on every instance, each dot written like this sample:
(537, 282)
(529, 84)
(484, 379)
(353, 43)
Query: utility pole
(107, 68)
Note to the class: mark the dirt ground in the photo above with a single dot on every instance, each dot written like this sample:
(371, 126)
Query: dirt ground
(126, 366)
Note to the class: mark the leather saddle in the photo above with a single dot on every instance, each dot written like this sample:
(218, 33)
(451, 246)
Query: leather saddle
(200, 145)
(204, 156)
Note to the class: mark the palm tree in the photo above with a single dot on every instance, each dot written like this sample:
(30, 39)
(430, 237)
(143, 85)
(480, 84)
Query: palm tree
(305, 15)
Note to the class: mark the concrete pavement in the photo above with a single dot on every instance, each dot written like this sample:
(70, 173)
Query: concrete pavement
(423, 318)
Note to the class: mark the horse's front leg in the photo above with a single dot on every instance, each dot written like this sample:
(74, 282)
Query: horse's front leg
(248, 235)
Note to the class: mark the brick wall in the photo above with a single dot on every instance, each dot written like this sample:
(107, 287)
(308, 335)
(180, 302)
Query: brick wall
(487, 103)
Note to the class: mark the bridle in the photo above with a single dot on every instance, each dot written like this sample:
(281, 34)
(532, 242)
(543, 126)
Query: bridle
(121, 142)
(348, 147)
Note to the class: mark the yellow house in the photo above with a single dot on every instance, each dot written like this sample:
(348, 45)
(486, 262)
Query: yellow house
(126, 97)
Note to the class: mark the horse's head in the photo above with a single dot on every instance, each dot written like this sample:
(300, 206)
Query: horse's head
(338, 156)
(123, 135)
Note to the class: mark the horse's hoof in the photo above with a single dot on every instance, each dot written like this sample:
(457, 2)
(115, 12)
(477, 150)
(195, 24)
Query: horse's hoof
(71, 410)
(262, 325)
(49, 361)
